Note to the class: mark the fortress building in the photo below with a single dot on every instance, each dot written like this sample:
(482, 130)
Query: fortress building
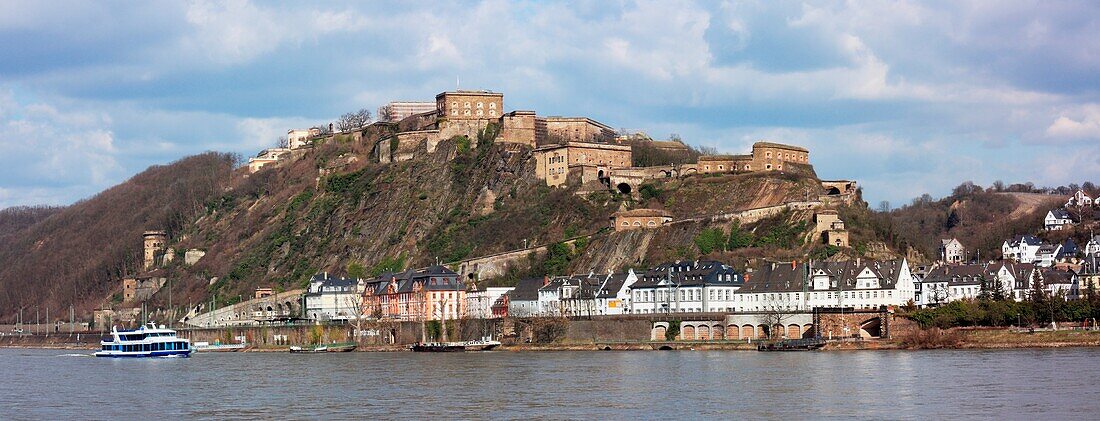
(154, 246)
(553, 162)
(766, 156)
(469, 105)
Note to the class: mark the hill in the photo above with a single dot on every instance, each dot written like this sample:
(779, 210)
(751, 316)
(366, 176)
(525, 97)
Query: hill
(980, 219)
(54, 257)
(333, 208)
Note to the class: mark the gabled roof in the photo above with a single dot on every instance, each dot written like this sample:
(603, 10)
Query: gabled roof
(526, 290)
(1050, 249)
(1060, 214)
(790, 276)
(766, 144)
(1054, 276)
(689, 273)
(1024, 239)
(968, 274)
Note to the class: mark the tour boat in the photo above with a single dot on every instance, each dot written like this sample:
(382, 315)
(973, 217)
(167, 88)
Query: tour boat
(218, 347)
(145, 341)
(806, 344)
(483, 344)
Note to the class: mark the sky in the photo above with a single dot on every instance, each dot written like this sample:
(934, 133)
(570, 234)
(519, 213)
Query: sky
(904, 97)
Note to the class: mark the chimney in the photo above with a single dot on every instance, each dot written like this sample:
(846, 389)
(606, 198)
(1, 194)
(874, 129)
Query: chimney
(546, 280)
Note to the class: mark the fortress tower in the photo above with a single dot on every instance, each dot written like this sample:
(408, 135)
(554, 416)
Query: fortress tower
(154, 244)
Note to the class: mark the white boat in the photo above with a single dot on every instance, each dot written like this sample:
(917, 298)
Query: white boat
(145, 341)
(218, 347)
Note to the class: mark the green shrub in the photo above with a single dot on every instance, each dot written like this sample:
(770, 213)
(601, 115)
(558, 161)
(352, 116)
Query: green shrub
(710, 239)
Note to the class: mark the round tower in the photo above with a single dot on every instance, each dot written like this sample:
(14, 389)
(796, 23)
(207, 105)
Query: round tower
(154, 244)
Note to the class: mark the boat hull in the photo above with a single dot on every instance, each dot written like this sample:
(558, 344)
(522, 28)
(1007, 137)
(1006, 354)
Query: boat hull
(150, 354)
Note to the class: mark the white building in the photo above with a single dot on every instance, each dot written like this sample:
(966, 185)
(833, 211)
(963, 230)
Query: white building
(946, 283)
(1021, 249)
(266, 157)
(399, 110)
(686, 287)
(1057, 219)
(613, 294)
(952, 251)
(334, 299)
(860, 284)
(1080, 199)
(481, 303)
(523, 300)
(1047, 255)
(1092, 248)
(300, 138)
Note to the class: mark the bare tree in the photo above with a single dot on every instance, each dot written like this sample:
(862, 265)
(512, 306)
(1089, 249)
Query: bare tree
(357, 302)
(353, 120)
(937, 293)
(283, 142)
(773, 318)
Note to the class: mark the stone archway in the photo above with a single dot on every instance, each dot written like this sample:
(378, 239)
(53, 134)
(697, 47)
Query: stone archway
(833, 191)
(747, 332)
(688, 332)
(624, 188)
(703, 333)
(871, 328)
(794, 331)
(733, 332)
(717, 333)
(808, 331)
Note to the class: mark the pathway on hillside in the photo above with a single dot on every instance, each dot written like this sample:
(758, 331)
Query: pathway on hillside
(1030, 202)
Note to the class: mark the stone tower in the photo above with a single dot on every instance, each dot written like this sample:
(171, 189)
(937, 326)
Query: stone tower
(154, 244)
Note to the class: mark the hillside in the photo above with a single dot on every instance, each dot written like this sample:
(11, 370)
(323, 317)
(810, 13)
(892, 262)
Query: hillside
(332, 209)
(981, 220)
(61, 256)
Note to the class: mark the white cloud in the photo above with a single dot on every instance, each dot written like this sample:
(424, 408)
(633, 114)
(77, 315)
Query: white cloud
(1084, 123)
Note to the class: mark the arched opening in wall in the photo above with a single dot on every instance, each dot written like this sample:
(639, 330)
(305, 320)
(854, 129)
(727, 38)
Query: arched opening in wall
(794, 331)
(687, 333)
(624, 188)
(837, 242)
(666, 174)
(703, 333)
(600, 174)
(871, 328)
(717, 333)
(808, 331)
(747, 332)
(833, 191)
(658, 333)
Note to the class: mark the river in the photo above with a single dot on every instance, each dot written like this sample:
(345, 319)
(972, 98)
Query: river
(1008, 384)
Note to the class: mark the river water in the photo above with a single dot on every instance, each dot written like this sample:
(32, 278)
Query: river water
(1036, 384)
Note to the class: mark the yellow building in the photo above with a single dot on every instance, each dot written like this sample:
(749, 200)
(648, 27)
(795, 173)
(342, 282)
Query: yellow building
(470, 105)
(552, 162)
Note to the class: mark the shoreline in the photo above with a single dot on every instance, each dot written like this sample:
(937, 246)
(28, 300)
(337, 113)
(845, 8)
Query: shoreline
(969, 341)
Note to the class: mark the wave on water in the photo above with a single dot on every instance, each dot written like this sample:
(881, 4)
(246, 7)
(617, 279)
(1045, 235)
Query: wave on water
(75, 355)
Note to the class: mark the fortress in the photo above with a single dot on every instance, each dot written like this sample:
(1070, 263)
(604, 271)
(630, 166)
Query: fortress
(565, 149)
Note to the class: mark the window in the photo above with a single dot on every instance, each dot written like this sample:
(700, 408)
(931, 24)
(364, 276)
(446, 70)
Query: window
(493, 113)
(492, 105)
(467, 104)
(454, 104)
(481, 105)
(480, 112)
(467, 112)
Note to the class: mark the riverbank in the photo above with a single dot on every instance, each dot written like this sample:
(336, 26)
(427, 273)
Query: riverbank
(980, 338)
